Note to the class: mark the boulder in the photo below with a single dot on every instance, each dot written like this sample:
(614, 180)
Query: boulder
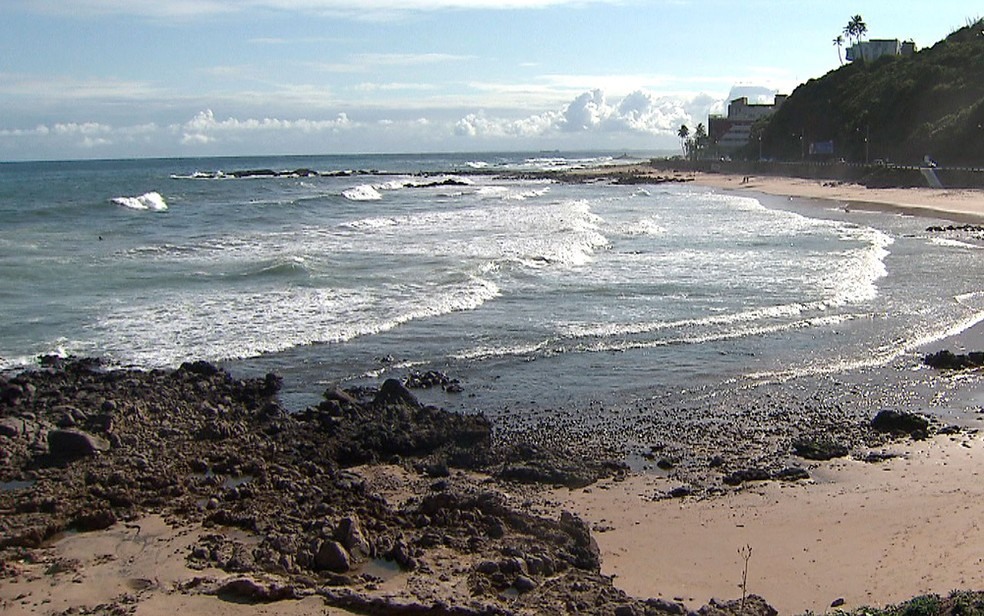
(70, 444)
(332, 556)
(815, 449)
(900, 422)
(394, 392)
(349, 534)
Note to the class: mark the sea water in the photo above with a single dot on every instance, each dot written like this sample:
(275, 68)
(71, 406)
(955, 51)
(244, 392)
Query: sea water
(525, 290)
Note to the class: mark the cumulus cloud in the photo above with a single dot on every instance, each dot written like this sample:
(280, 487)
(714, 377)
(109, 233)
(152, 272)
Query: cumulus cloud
(639, 113)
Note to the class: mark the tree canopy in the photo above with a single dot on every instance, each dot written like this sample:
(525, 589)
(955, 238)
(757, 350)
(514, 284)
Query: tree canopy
(896, 108)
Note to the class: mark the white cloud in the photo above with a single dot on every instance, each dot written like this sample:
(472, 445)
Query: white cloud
(589, 119)
(637, 114)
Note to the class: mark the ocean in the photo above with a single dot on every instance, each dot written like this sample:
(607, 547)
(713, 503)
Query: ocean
(525, 291)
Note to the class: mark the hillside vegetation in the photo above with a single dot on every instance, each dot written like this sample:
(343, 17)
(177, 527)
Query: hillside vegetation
(906, 107)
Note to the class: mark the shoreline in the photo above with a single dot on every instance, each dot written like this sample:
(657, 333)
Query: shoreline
(958, 205)
(176, 524)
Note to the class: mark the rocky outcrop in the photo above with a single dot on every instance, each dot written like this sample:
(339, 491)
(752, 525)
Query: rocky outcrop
(901, 422)
(947, 360)
(279, 498)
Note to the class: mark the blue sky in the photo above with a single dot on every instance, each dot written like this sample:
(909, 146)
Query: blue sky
(125, 78)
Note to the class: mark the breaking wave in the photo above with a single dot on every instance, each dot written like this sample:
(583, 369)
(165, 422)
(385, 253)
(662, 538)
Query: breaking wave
(148, 201)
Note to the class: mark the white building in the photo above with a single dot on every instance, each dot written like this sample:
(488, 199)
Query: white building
(877, 48)
(733, 132)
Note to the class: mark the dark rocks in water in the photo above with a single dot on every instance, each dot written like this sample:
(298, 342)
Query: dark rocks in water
(900, 422)
(968, 228)
(394, 392)
(202, 368)
(947, 360)
(438, 183)
(70, 444)
(432, 378)
(815, 449)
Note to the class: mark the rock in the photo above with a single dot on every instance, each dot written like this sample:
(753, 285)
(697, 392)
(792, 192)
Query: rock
(96, 520)
(947, 360)
(749, 474)
(71, 444)
(667, 607)
(681, 492)
(394, 392)
(626, 610)
(487, 567)
(838, 602)
(900, 422)
(332, 556)
(524, 584)
(339, 395)
(791, 473)
(251, 590)
(814, 449)
(349, 534)
(10, 427)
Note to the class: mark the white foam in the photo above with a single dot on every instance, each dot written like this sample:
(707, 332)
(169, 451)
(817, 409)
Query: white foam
(365, 192)
(948, 243)
(148, 201)
(232, 325)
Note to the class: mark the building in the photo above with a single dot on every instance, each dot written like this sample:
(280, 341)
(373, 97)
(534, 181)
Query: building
(877, 48)
(732, 132)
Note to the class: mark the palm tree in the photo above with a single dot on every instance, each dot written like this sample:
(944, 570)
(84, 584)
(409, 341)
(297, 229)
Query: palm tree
(683, 133)
(839, 42)
(700, 139)
(856, 28)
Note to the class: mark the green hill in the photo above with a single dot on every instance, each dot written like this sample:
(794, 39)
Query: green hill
(931, 102)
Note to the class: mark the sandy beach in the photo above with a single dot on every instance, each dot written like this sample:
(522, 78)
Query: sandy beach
(869, 534)
(959, 205)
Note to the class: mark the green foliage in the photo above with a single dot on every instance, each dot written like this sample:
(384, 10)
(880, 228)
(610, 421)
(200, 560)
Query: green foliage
(895, 108)
(958, 603)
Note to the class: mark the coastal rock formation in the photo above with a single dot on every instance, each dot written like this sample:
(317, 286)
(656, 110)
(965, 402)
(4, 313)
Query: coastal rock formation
(948, 360)
(284, 502)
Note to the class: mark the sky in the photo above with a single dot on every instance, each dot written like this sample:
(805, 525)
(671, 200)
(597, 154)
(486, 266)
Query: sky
(84, 79)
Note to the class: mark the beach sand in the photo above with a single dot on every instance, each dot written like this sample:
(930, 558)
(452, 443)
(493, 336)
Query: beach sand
(958, 205)
(867, 533)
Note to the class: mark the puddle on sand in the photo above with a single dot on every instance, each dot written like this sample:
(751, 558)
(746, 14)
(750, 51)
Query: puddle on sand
(381, 568)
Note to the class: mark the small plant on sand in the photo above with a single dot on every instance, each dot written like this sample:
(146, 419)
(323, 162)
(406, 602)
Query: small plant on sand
(746, 555)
